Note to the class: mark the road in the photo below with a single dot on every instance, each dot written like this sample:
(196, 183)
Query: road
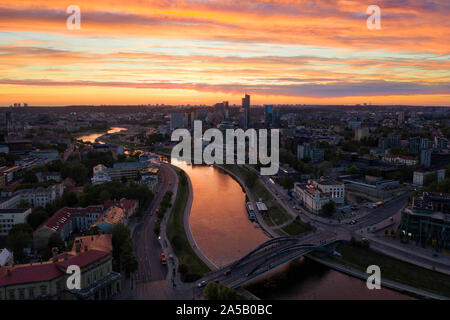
(149, 282)
(260, 262)
(364, 228)
(152, 280)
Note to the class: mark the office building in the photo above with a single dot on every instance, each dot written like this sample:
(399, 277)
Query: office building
(246, 107)
(425, 157)
(309, 151)
(417, 144)
(425, 177)
(268, 115)
(176, 120)
(428, 219)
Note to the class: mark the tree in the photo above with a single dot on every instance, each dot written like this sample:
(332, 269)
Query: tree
(20, 237)
(54, 241)
(70, 199)
(373, 172)
(211, 291)
(364, 150)
(123, 249)
(30, 177)
(120, 235)
(128, 262)
(37, 217)
(95, 230)
(183, 269)
(353, 170)
(250, 178)
(287, 183)
(329, 208)
(79, 173)
(104, 195)
(23, 204)
(215, 291)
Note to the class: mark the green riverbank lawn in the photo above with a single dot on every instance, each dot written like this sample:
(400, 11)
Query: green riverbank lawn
(296, 228)
(194, 266)
(393, 269)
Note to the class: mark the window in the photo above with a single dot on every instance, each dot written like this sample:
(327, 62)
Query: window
(12, 295)
(43, 290)
(31, 293)
(21, 294)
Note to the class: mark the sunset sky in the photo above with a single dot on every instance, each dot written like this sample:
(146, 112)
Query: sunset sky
(202, 52)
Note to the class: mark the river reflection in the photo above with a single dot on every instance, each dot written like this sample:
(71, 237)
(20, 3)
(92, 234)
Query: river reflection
(222, 231)
(219, 220)
(93, 136)
(305, 279)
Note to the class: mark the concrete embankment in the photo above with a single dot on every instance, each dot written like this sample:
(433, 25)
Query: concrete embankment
(385, 283)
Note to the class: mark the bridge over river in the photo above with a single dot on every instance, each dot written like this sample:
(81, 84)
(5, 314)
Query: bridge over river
(268, 256)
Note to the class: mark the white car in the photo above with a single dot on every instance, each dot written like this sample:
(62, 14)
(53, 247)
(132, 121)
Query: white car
(202, 284)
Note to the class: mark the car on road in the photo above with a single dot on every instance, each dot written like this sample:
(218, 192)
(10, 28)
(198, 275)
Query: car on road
(202, 284)
(435, 255)
(353, 222)
(163, 258)
(227, 273)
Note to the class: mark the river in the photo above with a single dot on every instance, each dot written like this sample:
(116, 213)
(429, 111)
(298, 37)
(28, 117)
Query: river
(221, 229)
(93, 136)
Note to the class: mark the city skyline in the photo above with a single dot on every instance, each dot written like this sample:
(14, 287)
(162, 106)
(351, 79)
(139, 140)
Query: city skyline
(195, 52)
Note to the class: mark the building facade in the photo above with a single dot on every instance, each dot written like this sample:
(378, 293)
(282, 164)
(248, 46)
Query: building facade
(428, 219)
(48, 280)
(10, 217)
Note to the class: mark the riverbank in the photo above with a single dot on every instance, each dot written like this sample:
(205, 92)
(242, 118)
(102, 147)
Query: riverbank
(266, 228)
(277, 222)
(191, 266)
(92, 136)
(395, 274)
(187, 228)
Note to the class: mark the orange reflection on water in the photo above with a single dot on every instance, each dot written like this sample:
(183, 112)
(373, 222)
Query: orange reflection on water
(219, 220)
(93, 136)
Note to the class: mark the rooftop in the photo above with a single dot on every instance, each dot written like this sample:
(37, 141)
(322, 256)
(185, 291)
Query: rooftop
(14, 211)
(98, 247)
(64, 215)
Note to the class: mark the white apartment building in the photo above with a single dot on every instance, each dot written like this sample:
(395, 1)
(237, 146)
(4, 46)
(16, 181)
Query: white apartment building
(311, 197)
(335, 189)
(420, 176)
(41, 196)
(315, 194)
(11, 217)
